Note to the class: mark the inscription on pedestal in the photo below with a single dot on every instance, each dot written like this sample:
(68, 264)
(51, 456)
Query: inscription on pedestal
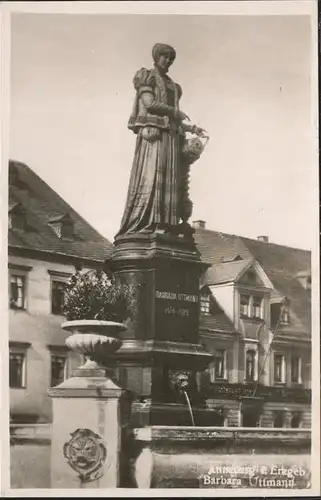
(176, 311)
(185, 297)
(177, 306)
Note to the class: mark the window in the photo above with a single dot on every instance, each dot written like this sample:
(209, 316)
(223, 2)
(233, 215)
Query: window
(57, 296)
(205, 303)
(63, 226)
(278, 419)
(245, 305)
(280, 313)
(59, 279)
(250, 365)
(296, 369)
(57, 228)
(17, 216)
(17, 364)
(220, 364)
(17, 291)
(251, 306)
(58, 368)
(67, 230)
(279, 368)
(16, 369)
(257, 307)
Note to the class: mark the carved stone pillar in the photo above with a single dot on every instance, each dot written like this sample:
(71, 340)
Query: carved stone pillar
(88, 412)
(85, 433)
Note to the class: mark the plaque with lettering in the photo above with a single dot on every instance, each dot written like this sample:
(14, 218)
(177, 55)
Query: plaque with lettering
(176, 305)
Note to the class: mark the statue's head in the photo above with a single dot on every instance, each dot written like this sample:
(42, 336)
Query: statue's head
(164, 56)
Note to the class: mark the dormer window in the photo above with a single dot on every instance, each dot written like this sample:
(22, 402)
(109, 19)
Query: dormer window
(234, 258)
(63, 226)
(67, 230)
(251, 306)
(285, 317)
(285, 312)
(304, 278)
(17, 217)
(280, 311)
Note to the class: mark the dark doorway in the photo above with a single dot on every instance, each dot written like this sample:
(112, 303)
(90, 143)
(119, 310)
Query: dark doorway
(278, 419)
(296, 420)
(250, 417)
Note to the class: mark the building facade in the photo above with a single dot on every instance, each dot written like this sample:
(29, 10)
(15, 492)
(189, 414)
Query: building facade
(256, 320)
(47, 241)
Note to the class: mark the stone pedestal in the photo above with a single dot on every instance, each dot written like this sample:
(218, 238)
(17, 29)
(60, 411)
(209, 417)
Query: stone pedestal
(163, 336)
(86, 431)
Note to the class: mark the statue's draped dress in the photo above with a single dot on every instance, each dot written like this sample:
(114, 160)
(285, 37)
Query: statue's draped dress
(153, 193)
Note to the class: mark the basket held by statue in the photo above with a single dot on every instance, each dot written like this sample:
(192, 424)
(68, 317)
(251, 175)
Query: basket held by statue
(193, 148)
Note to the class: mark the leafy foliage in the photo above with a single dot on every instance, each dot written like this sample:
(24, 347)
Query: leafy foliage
(94, 295)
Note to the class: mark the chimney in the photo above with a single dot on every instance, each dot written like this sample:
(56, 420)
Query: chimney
(263, 238)
(199, 224)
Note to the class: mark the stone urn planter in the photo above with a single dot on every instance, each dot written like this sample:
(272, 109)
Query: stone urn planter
(94, 339)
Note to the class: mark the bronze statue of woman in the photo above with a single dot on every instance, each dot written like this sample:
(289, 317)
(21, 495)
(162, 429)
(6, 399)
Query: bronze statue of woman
(156, 186)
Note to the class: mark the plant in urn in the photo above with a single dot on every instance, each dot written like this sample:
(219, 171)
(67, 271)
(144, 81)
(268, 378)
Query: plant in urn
(95, 308)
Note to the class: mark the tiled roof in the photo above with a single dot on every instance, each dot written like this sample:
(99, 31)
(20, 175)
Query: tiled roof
(218, 322)
(43, 204)
(227, 272)
(59, 218)
(215, 246)
(281, 264)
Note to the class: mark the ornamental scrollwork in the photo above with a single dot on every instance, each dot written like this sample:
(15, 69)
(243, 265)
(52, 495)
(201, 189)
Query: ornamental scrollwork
(86, 453)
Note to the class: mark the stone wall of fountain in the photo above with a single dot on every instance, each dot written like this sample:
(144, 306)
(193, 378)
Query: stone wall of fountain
(201, 457)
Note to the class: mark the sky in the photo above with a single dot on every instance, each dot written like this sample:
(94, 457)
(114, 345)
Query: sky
(245, 79)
